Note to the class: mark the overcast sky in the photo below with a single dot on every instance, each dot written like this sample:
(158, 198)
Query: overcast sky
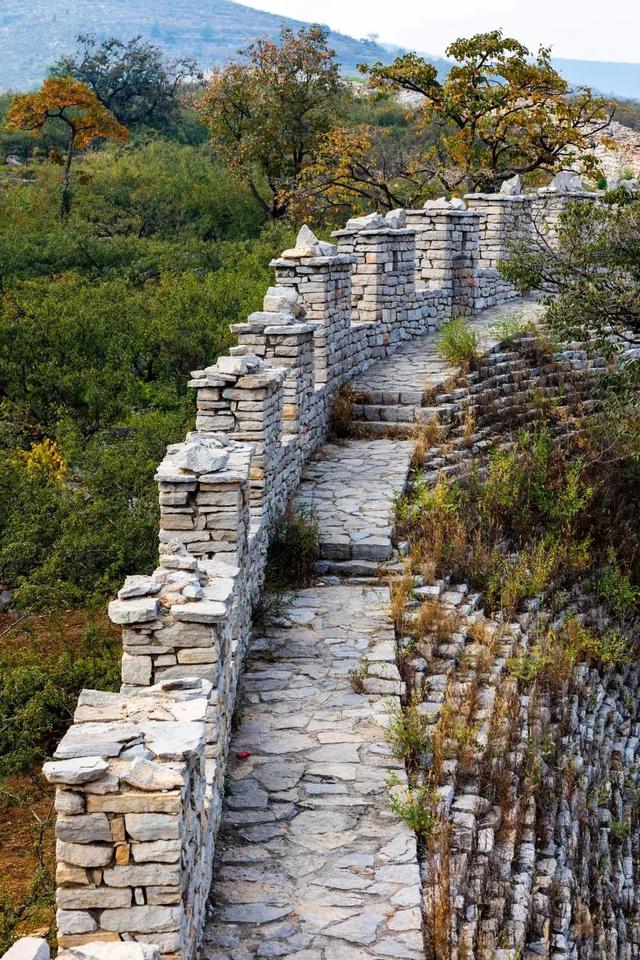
(582, 29)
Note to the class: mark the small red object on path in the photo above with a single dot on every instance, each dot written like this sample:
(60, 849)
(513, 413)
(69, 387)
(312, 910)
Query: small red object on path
(243, 754)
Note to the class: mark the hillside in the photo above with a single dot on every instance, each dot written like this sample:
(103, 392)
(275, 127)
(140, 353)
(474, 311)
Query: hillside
(618, 79)
(209, 30)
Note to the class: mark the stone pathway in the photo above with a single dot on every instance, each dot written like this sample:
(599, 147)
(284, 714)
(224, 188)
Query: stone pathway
(392, 390)
(311, 864)
(351, 490)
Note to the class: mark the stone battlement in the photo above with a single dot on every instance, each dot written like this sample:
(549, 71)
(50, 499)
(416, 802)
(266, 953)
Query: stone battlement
(140, 774)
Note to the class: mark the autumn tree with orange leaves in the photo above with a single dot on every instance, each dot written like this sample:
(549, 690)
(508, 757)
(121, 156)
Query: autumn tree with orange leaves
(74, 104)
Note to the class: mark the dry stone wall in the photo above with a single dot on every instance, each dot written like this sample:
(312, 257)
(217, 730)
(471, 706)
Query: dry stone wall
(536, 851)
(140, 774)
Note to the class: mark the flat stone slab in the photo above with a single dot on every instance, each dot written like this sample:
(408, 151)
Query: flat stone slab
(402, 378)
(350, 490)
(310, 862)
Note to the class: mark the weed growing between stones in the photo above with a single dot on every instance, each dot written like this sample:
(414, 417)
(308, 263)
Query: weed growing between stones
(407, 735)
(293, 550)
(342, 425)
(458, 344)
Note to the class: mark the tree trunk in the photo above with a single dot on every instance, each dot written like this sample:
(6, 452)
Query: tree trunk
(65, 196)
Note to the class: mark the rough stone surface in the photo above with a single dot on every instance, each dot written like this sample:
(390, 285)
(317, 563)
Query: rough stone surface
(307, 838)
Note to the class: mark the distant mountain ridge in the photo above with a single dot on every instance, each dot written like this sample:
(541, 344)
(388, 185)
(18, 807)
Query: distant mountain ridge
(35, 35)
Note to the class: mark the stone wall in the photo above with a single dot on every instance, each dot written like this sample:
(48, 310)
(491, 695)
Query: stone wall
(536, 852)
(140, 774)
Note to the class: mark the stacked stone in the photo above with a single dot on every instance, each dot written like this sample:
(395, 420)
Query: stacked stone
(383, 277)
(280, 335)
(243, 397)
(135, 823)
(322, 279)
(506, 218)
(434, 250)
(156, 751)
(178, 621)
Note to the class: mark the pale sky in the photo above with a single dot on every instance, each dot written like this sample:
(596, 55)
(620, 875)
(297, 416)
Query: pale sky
(581, 29)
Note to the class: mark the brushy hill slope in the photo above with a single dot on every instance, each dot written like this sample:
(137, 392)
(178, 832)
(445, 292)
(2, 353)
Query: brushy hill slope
(211, 31)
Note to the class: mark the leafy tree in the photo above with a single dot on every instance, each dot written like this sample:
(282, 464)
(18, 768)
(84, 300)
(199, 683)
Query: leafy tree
(357, 169)
(590, 270)
(268, 112)
(499, 111)
(77, 107)
(134, 80)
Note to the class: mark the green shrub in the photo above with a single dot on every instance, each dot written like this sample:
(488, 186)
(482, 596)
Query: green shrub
(416, 806)
(510, 327)
(407, 734)
(616, 589)
(293, 549)
(39, 689)
(457, 343)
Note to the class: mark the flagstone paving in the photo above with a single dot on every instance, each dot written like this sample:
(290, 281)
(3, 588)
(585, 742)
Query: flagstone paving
(311, 864)
(350, 489)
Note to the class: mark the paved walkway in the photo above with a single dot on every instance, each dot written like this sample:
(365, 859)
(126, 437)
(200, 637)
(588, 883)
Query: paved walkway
(393, 390)
(311, 864)
(351, 489)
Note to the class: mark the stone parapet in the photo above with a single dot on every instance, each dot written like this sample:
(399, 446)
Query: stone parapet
(140, 773)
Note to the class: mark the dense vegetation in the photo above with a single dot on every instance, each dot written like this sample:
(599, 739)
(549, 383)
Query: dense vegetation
(111, 297)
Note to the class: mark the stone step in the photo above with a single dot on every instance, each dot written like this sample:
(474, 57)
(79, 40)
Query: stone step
(377, 570)
(379, 428)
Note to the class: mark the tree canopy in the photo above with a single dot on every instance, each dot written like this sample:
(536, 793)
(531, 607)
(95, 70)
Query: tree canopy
(499, 112)
(134, 80)
(269, 111)
(71, 103)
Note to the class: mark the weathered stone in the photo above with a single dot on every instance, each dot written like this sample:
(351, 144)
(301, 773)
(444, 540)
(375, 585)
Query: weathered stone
(28, 948)
(83, 854)
(146, 775)
(76, 771)
(88, 828)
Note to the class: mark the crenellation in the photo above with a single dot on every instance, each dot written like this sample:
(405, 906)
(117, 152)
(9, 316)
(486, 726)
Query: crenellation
(140, 773)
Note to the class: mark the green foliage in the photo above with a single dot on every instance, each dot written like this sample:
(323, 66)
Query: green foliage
(293, 549)
(501, 111)
(416, 806)
(591, 272)
(133, 79)
(39, 896)
(458, 343)
(510, 327)
(555, 653)
(39, 689)
(615, 587)
(407, 733)
(268, 111)
(102, 318)
(541, 515)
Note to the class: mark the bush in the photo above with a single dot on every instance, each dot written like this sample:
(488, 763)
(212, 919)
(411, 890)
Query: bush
(458, 343)
(416, 806)
(293, 549)
(545, 511)
(39, 688)
(407, 734)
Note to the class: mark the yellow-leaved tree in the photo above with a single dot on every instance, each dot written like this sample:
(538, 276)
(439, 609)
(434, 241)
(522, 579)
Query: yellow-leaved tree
(74, 104)
(500, 111)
